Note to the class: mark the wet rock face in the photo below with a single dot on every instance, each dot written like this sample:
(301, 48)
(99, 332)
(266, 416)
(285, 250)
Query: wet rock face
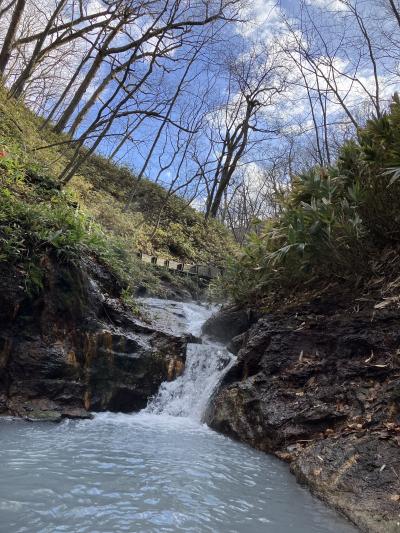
(76, 349)
(228, 323)
(358, 474)
(323, 392)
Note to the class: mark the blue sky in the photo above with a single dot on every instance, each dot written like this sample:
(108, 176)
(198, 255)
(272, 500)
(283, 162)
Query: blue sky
(292, 110)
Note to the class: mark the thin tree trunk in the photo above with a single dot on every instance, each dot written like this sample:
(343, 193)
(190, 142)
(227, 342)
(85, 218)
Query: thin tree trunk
(70, 83)
(70, 109)
(80, 159)
(96, 94)
(322, 103)
(161, 128)
(18, 86)
(125, 137)
(314, 119)
(230, 165)
(89, 104)
(395, 11)
(7, 8)
(10, 36)
(77, 160)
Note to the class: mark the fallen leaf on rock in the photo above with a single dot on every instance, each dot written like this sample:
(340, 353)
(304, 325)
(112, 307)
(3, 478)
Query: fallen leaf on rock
(370, 357)
(285, 456)
(390, 425)
(340, 406)
(395, 497)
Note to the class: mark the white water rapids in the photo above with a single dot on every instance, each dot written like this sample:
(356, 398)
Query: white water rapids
(205, 366)
(160, 470)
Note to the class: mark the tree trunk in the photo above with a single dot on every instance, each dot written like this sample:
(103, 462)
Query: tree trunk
(10, 36)
(7, 7)
(18, 86)
(395, 11)
(89, 104)
(70, 109)
(70, 83)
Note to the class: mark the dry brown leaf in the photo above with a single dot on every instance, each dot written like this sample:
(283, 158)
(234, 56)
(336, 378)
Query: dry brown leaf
(370, 357)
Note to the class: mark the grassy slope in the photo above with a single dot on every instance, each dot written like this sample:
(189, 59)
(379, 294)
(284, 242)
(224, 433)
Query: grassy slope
(89, 216)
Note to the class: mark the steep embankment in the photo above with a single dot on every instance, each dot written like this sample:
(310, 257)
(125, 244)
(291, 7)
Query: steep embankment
(319, 386)
(318, 375)
(92, 213)
(77, 348)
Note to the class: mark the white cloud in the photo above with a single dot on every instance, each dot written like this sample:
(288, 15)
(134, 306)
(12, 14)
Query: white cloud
(329, 5)
(262, 17)
(95, 6)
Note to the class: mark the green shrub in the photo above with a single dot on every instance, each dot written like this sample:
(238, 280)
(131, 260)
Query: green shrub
(332, 222)
(380, 151)
(318, 234)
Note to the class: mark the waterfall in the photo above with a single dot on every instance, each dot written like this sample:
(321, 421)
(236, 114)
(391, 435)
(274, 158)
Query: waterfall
(189, 394)
(206, 364)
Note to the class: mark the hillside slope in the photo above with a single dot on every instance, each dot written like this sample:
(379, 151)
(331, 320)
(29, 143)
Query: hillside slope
(89, 217)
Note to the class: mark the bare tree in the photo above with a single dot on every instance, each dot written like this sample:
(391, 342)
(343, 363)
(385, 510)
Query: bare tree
(11, 33)
(171, 23)
(253, 82)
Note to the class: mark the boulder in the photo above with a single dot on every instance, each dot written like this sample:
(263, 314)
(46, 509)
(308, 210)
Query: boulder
(227, 323)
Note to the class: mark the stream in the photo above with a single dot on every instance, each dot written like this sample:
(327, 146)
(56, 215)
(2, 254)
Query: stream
(158, 470)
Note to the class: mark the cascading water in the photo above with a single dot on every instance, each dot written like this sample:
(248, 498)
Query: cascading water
(160, 470)
(206, 364)
(189, 394)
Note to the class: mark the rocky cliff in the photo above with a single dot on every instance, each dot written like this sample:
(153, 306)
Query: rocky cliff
(320, 388)
(76, 348)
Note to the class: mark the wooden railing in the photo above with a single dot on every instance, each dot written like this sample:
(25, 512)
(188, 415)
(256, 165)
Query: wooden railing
(192, 269)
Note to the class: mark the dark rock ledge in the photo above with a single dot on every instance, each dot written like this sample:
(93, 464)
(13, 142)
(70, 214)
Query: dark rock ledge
(76, 348)
(321, 391)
